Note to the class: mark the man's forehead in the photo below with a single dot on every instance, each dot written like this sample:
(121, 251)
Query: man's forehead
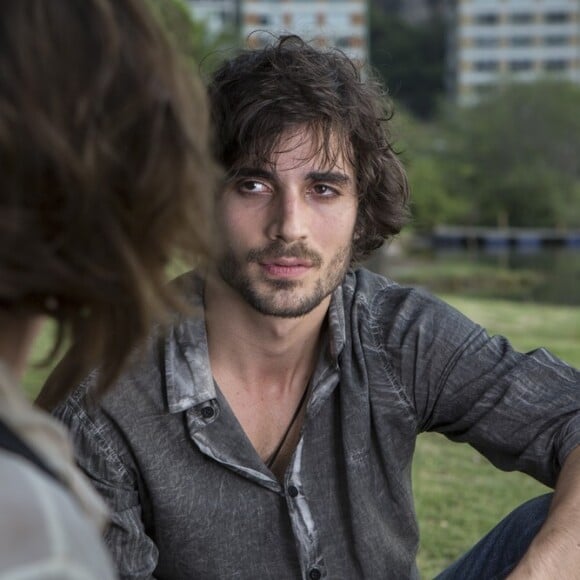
(301, 147)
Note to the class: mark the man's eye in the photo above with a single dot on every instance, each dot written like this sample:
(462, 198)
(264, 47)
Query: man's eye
(324, 190)
(251, 186)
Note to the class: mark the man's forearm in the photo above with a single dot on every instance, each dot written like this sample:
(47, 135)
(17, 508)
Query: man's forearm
(555, 552)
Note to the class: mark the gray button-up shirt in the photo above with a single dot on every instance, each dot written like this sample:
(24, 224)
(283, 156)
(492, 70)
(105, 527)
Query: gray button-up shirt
(191, 498)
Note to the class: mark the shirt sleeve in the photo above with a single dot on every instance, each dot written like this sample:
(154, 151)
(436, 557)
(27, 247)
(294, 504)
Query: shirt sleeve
(100, 453)
(520, 410)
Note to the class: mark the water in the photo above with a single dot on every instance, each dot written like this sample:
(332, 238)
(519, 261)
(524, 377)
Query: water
(544, 275)
(558, 268)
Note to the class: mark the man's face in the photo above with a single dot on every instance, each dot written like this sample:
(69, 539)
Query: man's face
(288, 228)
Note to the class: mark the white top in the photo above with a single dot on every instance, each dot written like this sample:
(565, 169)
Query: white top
(47, 530)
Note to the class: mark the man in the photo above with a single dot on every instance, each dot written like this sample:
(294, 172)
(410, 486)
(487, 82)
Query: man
(271, 434)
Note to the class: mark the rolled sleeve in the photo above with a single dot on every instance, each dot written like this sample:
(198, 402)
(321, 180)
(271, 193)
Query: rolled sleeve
(100, 453)
(520, 410)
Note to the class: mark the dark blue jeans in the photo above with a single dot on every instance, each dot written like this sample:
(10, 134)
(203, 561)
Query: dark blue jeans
(495, 555)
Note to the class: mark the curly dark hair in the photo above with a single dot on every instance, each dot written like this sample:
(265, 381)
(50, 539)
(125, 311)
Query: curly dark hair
(261, 94)
(106, 174)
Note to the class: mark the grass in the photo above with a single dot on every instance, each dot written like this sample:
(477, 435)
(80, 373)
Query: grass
(528, 325)
(459, 495)
(37, 370)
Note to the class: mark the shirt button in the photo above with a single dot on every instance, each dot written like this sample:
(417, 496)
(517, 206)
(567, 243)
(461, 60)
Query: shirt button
(315, 574)
(292, 491)
(207, 412)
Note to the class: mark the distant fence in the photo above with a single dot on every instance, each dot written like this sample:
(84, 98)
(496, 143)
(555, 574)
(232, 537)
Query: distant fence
(497, 238)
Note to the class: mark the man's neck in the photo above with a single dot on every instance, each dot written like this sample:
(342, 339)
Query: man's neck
(261, 351)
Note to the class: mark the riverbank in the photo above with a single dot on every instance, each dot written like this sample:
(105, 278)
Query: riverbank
(542, 275)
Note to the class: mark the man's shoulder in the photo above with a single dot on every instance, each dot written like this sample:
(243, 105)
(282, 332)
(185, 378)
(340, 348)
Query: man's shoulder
(138, 387)
(361, 280)
(141, 386)
(382, 298)
(361, 284)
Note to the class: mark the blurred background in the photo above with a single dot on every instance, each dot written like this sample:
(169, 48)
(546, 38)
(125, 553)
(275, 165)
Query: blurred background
(487, 122)
(487, 101)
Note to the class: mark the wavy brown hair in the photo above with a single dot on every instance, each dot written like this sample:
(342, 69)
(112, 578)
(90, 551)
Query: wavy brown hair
(106, 175)
(262, 94)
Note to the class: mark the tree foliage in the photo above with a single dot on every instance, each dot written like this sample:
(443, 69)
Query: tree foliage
(409, 58)
(190, 36)
(515, 156)
(421, 147)
(511, 160)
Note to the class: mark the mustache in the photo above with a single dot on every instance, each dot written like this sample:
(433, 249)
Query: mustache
(279, 249)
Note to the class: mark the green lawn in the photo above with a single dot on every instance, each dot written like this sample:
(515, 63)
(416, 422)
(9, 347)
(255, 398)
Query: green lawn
(37, 370)
(460, 495)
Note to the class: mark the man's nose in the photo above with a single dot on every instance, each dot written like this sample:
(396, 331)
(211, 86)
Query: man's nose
(289, 218)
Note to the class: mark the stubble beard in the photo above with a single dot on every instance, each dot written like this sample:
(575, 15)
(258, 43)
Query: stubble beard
(270, 301)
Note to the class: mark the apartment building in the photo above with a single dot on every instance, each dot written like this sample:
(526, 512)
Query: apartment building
(497, 41)
(340, 23)
(413, 11)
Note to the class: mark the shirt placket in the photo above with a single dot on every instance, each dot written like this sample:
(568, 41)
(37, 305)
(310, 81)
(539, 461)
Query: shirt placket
(303, 523)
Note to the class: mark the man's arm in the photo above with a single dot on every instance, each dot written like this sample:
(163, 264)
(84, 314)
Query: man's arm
(103, 457)
(555, 552)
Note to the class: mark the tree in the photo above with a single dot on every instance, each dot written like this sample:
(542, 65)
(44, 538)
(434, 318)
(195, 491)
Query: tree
(421, 147)
(191, 36)
(515, 156)
(409, 58)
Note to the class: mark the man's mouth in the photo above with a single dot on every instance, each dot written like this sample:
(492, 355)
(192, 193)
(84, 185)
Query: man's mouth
(285, 261)
(286, 267)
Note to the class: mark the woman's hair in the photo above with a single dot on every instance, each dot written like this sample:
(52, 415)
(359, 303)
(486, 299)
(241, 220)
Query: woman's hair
(261, 95)
(106, 175)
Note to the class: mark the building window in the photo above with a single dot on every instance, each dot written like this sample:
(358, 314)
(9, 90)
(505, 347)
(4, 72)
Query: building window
(343, 42)
(521, 18)
(257, 19)
(486, 65)
(521, 65)
(556, 40)
(556, 65)
(557, 17)
(486, 19)
(521, 41)
(486, 41)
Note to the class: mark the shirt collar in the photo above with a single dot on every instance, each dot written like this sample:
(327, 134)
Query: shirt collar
(187, 370)
(336, 324)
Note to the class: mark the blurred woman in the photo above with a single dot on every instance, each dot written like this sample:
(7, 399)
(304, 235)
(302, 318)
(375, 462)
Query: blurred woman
(105, 176)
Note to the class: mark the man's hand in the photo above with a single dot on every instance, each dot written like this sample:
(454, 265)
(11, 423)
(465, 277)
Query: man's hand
(555, 551)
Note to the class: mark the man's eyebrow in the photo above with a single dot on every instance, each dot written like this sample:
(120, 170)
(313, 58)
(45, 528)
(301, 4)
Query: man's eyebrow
(330, 176)
(243, 172)
(337, 177)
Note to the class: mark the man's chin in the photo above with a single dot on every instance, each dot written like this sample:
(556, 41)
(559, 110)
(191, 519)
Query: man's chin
(291, 307)
(284, 312)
